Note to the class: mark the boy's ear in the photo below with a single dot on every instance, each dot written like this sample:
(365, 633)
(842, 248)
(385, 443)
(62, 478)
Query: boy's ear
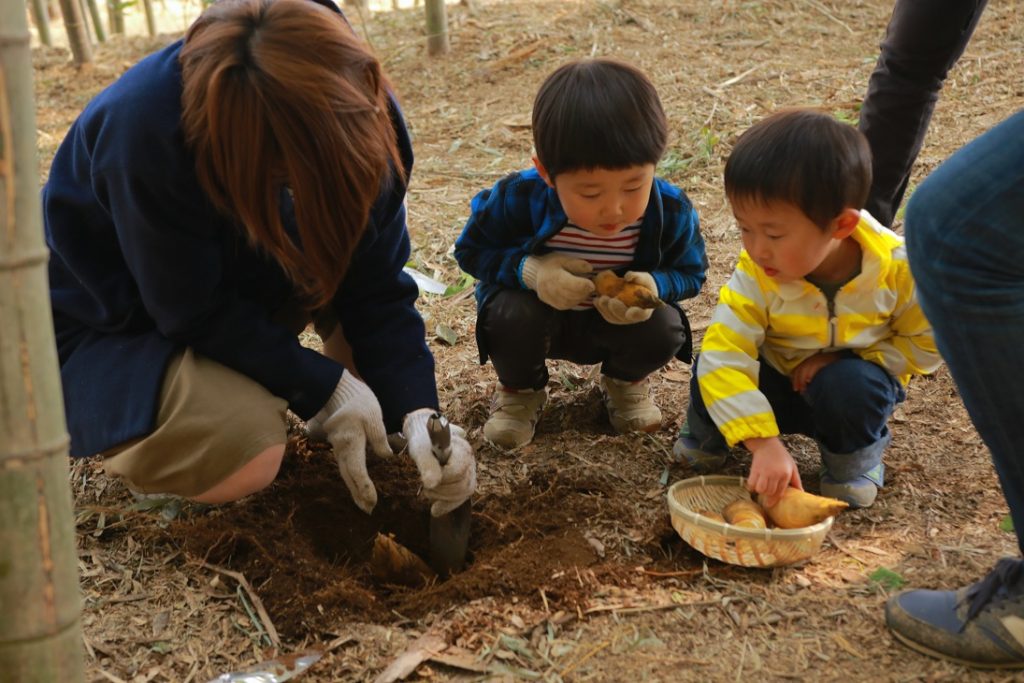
(542, 171)
(846, 222)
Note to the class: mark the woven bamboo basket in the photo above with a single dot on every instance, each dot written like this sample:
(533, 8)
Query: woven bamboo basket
(733, 544)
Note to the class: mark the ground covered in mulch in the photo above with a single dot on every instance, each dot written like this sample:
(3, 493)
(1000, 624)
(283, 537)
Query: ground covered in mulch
(576, 573)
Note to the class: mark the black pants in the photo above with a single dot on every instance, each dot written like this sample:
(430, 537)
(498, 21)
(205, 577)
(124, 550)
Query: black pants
(923, 41)
(520, 332)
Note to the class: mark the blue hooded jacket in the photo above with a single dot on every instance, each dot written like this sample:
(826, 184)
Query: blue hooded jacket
(142, 265)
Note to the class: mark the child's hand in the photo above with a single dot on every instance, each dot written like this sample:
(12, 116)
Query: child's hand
(618, 313)
(556, 279)
(621, 310)
(773, 469)
(805, 372)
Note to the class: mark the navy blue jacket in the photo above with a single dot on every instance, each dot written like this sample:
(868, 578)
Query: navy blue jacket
(516, 217)
(142, 266)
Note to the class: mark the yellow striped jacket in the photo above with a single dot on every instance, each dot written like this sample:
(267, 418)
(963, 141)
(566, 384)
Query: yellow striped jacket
(876, 315)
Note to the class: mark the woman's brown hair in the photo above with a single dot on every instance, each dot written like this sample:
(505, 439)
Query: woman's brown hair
(283, 93)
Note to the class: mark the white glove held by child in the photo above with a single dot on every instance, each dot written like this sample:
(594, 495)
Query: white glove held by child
(555, 278)
(618, 313)
(352, 419)
(449, 486)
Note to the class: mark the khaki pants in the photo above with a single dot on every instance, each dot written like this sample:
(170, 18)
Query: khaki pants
(212, 420)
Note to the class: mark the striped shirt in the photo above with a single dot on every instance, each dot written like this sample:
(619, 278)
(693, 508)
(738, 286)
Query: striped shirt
(602, 252)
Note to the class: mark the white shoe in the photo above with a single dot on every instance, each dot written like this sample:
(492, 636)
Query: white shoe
(629, 404)
(514, 415)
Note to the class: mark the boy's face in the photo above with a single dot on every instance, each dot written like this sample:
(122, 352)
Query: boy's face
(788, 245)
(603, 201)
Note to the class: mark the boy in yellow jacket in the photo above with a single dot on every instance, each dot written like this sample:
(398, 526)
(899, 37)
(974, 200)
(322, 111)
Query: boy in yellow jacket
(818, 330)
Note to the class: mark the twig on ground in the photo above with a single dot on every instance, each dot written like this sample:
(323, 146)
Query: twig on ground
(736, 79)
(593, 651)
(687, 573)
(841, 548)
(621, 609)
(824, 10)
(268, 625)
(261, 632)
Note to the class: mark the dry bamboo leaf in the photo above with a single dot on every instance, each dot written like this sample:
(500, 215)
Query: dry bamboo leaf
(422, 649)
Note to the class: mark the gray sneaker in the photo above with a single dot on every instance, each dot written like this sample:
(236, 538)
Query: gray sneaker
(514, 415)
(859, 493)
(980, 625)
(629, 404)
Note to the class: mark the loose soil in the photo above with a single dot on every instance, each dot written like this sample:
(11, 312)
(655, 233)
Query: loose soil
(575, 573)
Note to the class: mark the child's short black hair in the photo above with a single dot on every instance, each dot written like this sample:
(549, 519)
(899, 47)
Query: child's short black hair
(803, 157)
(598, 113)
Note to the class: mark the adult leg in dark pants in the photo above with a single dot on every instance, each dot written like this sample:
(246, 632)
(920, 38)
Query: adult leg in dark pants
(923, 41)
(965, 237)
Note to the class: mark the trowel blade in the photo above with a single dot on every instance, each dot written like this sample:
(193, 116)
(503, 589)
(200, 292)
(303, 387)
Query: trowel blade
(449, 540)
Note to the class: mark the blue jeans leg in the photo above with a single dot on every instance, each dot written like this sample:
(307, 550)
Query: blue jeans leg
(852, 400)
(792, 413)
(965, 238)
(702, 427)
(846, 409)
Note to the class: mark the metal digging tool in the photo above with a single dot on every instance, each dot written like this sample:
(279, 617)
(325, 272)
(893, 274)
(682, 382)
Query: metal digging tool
(449, 533)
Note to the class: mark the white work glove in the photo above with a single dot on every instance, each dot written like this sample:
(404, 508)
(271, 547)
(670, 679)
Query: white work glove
(555, 278)
(445, 487)
(618, 313)
(352, 419)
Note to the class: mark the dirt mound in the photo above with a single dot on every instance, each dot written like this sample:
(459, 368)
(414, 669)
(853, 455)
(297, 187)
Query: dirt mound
(305, 546)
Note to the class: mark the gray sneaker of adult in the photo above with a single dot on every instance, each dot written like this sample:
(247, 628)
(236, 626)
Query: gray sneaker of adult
(629, 404)
(514, 415)
(981, 625)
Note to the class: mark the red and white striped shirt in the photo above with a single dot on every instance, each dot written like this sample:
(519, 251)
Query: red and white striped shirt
(602, 252)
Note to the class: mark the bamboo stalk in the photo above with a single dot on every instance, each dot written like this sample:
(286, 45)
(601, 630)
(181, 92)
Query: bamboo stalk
(78, 36)
(40, 627)
(437, 27)
(42, 21)
(115, 16)
(97, 20)
(147, 6)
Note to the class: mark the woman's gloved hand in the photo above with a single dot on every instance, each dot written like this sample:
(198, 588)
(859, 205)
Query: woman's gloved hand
(618, 313)
(449, 486)
(351, 419)
(556, 279)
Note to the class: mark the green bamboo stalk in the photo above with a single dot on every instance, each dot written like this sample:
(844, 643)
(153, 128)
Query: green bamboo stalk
(115, 16)
(78, 35)
(147, 6)
(97, 20)
(42, 21)
(437, 27)
(40, 627)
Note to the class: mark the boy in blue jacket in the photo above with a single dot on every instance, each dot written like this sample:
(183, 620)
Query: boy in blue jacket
(590, 203)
